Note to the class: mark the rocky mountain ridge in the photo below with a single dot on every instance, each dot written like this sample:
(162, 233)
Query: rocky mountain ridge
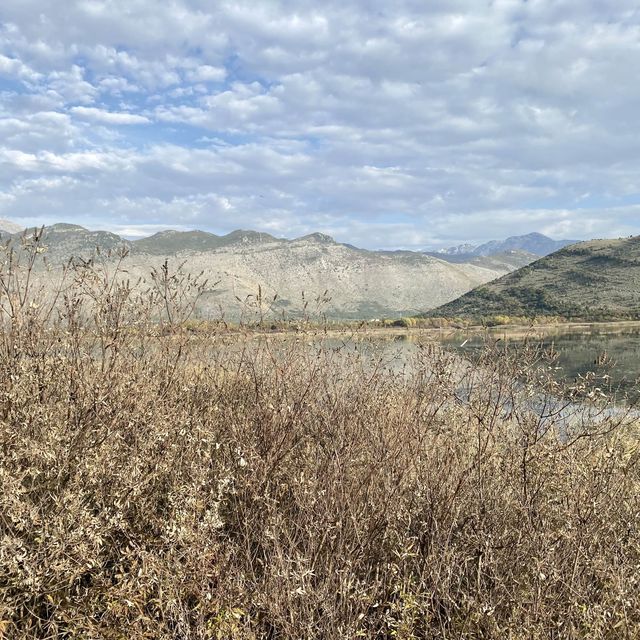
(349, 282)
(533, 243)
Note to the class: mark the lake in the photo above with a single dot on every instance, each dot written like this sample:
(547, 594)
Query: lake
(610, 349)
(613, 349)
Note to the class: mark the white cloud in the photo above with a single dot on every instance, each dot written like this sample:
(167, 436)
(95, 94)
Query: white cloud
(33, 132)
(70, 86)
(207, 73)
(13, 67)
(108, 117)
(382, 122)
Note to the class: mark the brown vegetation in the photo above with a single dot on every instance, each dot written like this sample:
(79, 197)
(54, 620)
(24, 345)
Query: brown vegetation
(158, 483)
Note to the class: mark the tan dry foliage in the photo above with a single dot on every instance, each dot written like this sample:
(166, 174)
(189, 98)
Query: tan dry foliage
(160, 484)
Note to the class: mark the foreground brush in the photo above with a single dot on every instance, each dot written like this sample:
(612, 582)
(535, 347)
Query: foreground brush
(159, 483)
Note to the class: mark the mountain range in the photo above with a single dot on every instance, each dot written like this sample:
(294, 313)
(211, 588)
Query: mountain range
(351, 282)
(594, 280)
(534, 243)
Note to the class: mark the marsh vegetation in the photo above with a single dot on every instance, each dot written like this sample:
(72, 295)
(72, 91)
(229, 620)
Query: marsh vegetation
(164, 483)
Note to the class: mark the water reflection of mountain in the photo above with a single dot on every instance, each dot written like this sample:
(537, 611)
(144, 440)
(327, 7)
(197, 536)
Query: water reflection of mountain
(614, 353)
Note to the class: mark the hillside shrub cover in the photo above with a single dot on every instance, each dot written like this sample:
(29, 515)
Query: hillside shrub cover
(163, 483)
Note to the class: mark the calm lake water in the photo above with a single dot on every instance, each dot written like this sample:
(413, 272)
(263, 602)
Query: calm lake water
(610, 350)
(606, 349)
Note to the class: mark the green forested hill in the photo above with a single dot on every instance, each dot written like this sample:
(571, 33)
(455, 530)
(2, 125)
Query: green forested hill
(595, 280)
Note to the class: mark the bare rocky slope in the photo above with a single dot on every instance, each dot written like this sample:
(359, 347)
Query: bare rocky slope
(313, 274)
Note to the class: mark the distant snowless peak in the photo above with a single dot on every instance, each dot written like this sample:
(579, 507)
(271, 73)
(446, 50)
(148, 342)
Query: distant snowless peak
(535, 243)
(532, 243)
(10, 227)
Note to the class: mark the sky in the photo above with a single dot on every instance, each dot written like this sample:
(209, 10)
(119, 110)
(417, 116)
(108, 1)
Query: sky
(384, 123)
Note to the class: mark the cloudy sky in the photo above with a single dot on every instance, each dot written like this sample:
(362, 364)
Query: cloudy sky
(385, 123)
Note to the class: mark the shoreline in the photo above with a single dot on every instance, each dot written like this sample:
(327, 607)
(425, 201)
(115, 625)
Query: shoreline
(509, 331)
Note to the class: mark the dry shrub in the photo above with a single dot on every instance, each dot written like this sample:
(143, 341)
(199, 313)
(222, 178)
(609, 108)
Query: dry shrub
(161, 484)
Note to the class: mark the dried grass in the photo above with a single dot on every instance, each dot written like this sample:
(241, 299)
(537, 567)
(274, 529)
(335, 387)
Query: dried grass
(160, 484)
